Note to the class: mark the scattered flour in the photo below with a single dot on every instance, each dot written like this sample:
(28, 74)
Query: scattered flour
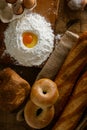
(14, 45)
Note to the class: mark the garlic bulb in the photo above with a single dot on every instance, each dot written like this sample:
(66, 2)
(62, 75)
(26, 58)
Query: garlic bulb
(3, 4)
(77, 4)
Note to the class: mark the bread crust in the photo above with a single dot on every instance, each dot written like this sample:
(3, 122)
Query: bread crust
(75, 107)
(13, 90)
(72, 67)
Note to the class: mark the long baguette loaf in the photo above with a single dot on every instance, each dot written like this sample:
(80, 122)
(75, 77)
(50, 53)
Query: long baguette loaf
(75, 107)
(66, 78)
(82, 125)
(58, 56)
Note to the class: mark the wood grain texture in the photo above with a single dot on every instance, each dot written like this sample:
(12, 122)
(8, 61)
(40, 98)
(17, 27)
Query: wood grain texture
(48, 9)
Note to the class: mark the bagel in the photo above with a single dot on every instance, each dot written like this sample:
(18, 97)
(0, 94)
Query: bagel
(36, 117)
(44, 93)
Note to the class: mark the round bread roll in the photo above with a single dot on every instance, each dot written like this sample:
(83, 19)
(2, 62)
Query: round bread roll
(44, 93)
(13, 90)
(36, 117)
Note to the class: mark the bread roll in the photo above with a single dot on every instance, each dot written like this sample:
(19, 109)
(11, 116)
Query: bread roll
(75, 107)
(13, 90)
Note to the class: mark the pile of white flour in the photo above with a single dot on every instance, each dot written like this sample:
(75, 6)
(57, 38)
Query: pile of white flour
(14, 44)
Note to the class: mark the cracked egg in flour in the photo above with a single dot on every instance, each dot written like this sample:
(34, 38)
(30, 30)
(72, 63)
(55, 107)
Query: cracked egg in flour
(29, 40)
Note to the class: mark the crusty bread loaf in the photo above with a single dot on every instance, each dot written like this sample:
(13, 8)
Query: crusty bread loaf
(75, 107)
(13, 90)
(66, 78)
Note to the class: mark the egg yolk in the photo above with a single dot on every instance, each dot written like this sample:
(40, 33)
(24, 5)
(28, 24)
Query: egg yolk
(29, 39)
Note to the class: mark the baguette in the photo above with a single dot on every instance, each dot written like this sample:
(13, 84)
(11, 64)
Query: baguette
(75, 107)
(68, 74)
(58, 56)
(82, 125)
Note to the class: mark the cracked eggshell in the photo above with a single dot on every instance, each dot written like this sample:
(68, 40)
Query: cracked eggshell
(3, 4)
(18, 8)
(6, 14)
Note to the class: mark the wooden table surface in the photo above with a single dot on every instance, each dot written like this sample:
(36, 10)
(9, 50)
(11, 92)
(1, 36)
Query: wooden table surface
(62, 19)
